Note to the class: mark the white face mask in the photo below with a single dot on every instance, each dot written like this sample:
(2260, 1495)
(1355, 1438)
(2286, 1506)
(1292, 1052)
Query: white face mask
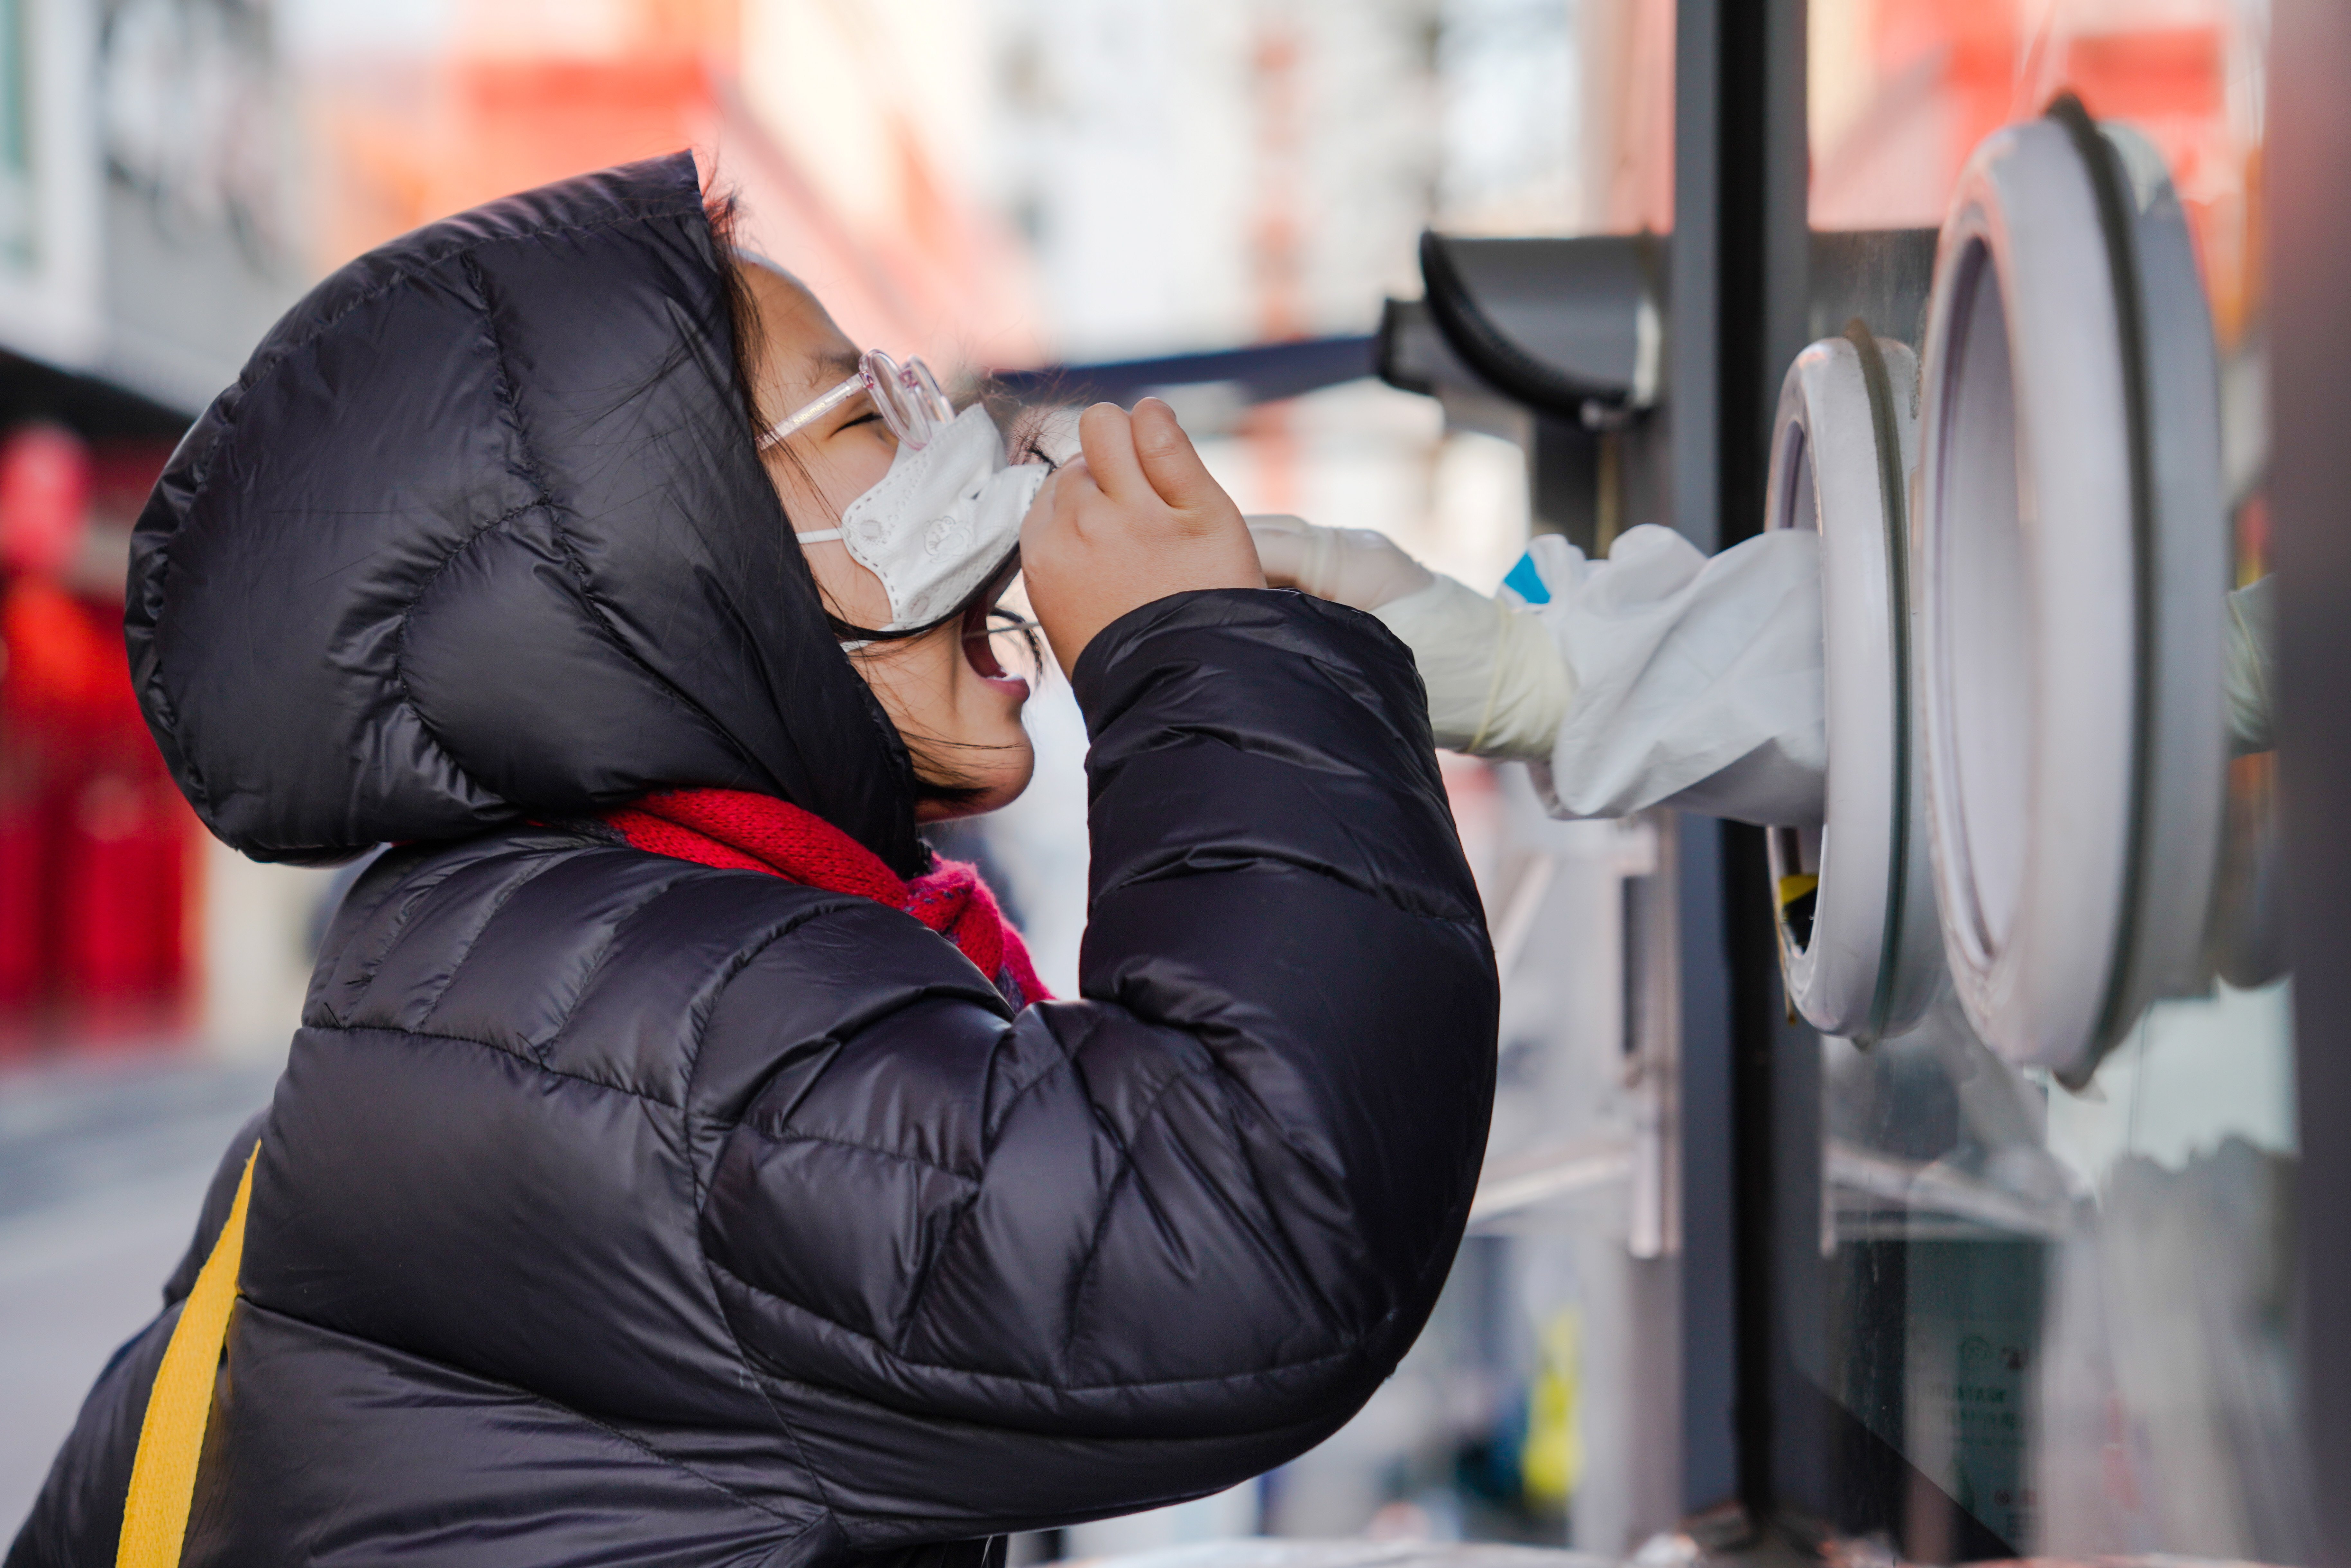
(940, 520)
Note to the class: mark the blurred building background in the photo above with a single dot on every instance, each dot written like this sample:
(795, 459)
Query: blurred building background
(996, 185)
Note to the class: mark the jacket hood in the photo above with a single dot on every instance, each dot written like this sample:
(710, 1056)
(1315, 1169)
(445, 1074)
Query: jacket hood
(480, 534)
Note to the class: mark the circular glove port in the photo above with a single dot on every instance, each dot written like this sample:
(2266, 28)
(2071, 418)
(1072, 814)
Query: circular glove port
(1857, 935)
(2072, 567)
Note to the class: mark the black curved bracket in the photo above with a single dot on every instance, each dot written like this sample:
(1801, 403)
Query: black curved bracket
(1572, 328)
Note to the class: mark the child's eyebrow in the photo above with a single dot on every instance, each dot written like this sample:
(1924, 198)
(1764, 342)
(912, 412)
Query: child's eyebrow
(842, 362)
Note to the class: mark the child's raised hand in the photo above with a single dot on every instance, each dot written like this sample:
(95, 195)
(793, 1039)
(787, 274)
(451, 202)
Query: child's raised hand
(1138, 517)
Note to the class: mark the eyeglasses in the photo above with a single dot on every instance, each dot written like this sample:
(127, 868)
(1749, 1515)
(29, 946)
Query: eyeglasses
(907, 397)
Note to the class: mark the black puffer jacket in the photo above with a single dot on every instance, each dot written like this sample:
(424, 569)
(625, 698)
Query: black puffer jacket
(617, 1209)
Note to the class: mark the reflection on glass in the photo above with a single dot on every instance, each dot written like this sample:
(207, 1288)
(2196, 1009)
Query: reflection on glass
(2052, 1319)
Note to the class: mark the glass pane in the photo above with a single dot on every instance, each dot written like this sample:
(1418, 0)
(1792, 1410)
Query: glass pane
(2048, 1309)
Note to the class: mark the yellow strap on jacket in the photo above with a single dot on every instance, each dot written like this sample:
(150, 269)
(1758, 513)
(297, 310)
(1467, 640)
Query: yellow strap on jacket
(172, 1437)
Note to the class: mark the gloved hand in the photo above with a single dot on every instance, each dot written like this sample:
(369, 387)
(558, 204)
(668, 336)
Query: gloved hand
(1497, 683)
(1353, 567)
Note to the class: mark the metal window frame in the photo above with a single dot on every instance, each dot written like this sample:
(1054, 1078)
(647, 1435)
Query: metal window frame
(2310, 505)
(1737, 281)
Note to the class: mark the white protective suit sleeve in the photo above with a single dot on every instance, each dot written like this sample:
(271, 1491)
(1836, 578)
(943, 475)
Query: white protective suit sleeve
(1698, 679)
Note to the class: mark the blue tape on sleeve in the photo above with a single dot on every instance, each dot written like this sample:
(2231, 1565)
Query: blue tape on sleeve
(1527, 582)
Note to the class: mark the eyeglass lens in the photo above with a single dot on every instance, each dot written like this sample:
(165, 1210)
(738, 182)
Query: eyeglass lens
(908, 398)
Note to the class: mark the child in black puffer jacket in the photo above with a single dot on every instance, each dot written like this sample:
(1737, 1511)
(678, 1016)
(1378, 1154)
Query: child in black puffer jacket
(675, 1165)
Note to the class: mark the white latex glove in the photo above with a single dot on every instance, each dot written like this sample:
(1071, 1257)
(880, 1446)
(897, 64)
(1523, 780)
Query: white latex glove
(1498, 686)
(1496, 682)
(1354, 567)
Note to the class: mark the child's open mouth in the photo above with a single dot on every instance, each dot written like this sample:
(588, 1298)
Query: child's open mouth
(979, 649)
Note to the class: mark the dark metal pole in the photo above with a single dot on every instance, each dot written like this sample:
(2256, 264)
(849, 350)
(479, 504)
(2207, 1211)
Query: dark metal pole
(1738, 292)
(1712, 1497)
(2310, 493)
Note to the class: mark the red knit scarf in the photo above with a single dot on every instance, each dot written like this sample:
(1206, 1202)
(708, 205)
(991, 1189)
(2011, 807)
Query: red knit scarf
(742, 831)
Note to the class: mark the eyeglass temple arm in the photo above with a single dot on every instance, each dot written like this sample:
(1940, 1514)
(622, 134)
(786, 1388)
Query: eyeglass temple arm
(810, 413)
